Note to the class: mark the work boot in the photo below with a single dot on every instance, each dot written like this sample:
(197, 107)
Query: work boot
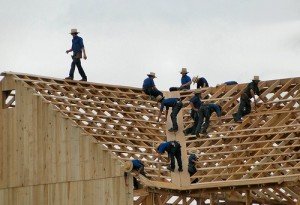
(170, 169)
(180, 169)
(69, 78)
(173, 129)
(84, 79)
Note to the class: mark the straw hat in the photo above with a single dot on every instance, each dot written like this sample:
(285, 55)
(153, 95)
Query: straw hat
(152, 74)
(256, 78)
(195, 79)
(128, 166)
(159, 98)
(194, 151)
(198, 91)
(183, 71)
(74, 31)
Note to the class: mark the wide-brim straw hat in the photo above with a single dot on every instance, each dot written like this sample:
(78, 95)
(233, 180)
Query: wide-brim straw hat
(183, 71)
(159, 98)
(198, 91)
(256, 78)
(128, 166)
(194, 151)
(152, 74)
(195, 79)
(74, 31)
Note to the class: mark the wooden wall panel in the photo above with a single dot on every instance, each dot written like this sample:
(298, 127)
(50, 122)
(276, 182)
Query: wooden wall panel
(45, 159)
(100, 191)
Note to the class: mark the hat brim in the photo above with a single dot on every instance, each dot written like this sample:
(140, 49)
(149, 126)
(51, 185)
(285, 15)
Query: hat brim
(184, 72)
(152, 76)
(74, 33)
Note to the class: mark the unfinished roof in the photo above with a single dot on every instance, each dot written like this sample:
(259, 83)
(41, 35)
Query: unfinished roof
(259, 157)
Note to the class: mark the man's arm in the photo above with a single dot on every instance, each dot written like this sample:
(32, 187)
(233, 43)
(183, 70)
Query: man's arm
(159, 114)
(166, 113)
(84, 54)
(188, 83)
(68, 51)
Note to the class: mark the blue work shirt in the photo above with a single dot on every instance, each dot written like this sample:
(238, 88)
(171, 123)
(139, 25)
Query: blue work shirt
(196, 101)
(163, 147)
(148, 83)
(137, 164)
(77, 44)
(230, 83)
(168, 102)
(200, 83)
(192, 158)
(185, 79)
(214, 108)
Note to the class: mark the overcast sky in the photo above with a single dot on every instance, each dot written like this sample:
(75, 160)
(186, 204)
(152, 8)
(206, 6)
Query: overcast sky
(126, 39)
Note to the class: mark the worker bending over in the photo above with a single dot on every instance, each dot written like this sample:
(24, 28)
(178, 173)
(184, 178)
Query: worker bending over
(192, 163)
(173, 148)
(137, 167)
(205, 113)
(176, 105)
(201, 82)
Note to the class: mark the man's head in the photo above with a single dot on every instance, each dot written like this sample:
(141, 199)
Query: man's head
(256, 79)
(183, 71)
(195, 79)
(151, 75)
(128, 166)
(74, 32)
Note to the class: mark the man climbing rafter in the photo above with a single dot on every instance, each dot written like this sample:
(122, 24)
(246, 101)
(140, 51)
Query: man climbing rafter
(245, 100)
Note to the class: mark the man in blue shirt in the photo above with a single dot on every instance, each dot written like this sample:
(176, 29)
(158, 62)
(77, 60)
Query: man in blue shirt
(195, 103)
(245, 100)
(192, 164)
(176, 105)
(173, 148)
(205, 112)
(201, 82)
(77, 48)
(135, 166)
(149, 87)
(185, 81)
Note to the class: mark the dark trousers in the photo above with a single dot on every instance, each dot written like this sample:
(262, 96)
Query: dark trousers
(77, 62)
(136, 183)
(175, 152)
(187, 87)
(192, 170)
(244, 108)
(192, 129)
(175, 110)
(152, 92)
(204, 116)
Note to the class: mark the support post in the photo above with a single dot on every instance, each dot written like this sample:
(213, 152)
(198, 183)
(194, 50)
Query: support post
(248, 198)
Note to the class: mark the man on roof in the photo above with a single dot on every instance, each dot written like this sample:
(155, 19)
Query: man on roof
(245, 100)
(78, 49)
(149, 87)
(195, 103)
(175, 104)
(185, 81)
(173, 148)
(205, 112)
(137, 167)
(201, 82)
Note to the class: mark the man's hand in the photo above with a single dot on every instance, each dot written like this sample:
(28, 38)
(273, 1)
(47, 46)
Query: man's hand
(85, 57)
(67, 51)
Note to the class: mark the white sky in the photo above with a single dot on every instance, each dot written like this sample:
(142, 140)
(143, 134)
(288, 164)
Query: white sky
(126, 39)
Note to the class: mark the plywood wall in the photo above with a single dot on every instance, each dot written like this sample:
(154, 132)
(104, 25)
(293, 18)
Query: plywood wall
(45, 159)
